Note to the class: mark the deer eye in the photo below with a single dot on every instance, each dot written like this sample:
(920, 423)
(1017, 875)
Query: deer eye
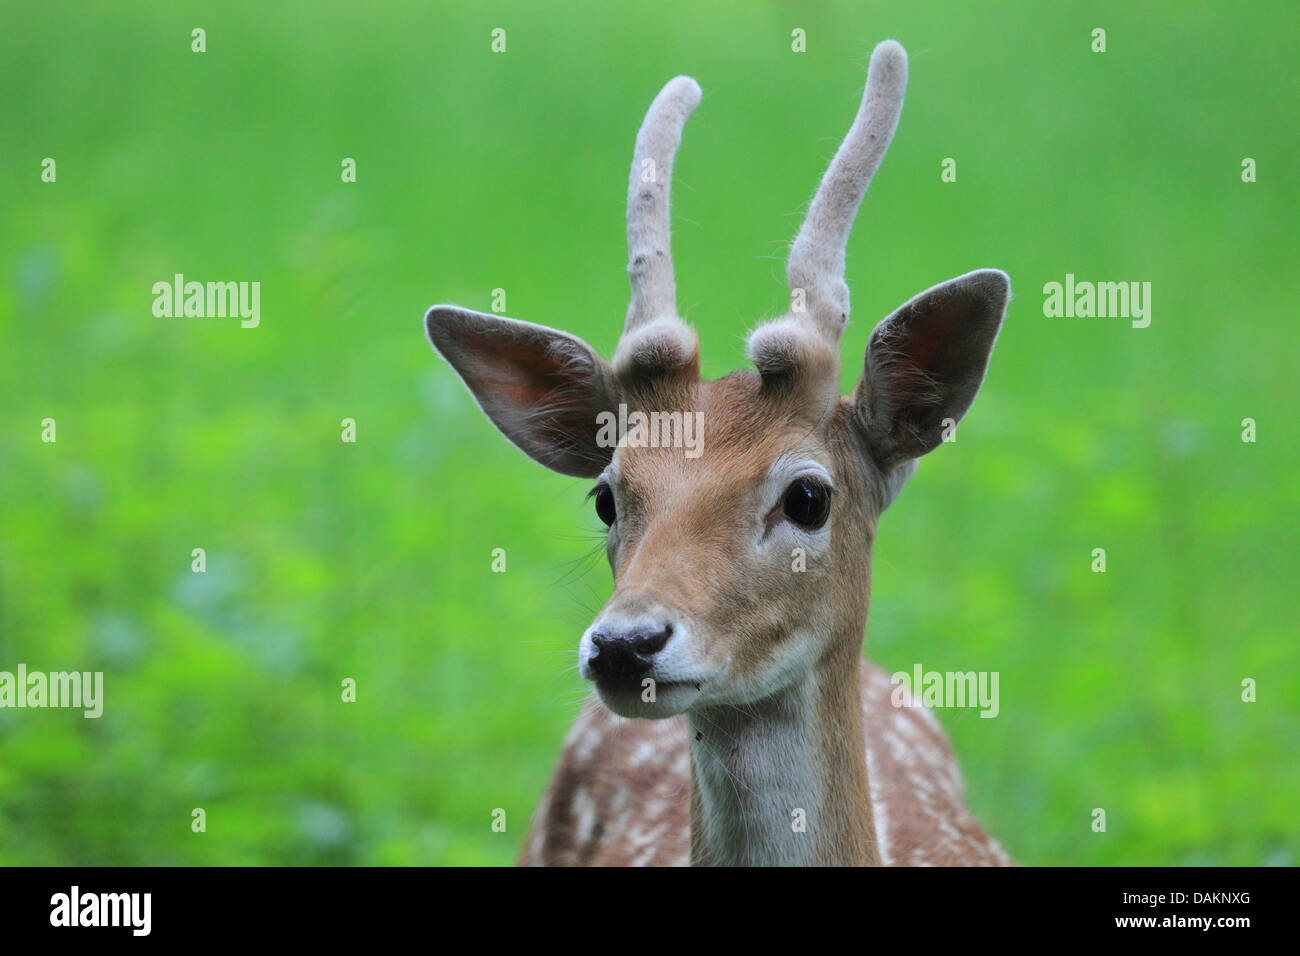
(604, 496)
(807, 502)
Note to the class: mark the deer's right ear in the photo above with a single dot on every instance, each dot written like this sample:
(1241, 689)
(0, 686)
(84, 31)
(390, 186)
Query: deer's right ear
(541, 387)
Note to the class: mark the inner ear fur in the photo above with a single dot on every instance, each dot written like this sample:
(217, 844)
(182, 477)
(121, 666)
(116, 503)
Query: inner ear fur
(541, 387)
(926, 362)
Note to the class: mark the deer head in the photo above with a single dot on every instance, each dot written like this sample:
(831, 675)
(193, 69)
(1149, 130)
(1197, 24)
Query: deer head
(743, 569)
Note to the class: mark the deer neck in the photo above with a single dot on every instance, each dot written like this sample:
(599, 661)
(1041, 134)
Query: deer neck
(784, 781)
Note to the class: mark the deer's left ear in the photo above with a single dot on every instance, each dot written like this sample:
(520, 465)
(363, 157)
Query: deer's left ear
(926, 362)
(541, 387)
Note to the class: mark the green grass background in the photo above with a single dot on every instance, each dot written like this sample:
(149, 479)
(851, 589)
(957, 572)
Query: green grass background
(477, 171)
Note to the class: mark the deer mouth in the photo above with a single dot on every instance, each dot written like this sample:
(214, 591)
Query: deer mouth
(647, 697)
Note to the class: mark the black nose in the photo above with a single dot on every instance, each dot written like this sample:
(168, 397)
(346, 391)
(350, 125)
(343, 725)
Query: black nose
(627, 656)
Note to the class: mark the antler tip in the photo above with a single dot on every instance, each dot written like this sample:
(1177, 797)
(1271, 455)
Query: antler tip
(888, 57)
(684, 92)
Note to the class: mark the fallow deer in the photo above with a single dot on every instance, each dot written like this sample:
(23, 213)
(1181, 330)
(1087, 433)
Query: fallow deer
(741, 575)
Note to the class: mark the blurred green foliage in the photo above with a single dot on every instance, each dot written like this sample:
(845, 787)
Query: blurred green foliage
(477, 171)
